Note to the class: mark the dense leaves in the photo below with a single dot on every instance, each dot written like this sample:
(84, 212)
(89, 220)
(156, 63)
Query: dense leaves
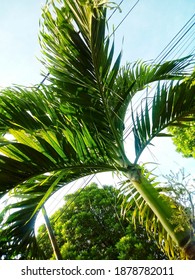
(143, 214)
(184, 138)
(89, 226)
(181, 187)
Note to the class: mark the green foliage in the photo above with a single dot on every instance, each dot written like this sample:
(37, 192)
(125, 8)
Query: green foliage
(89, 226)
(176, 194)
(184, 138)
(181, 187)
(183, 133)
(136, 245)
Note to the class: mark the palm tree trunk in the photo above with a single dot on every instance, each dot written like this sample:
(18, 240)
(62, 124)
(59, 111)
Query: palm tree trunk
(52, 238)
(165, 213)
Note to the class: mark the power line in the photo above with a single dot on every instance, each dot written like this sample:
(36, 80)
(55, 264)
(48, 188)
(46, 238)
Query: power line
(44, 79)
(87, 181)
(185, 33)
(118, 6)
(59, 194)
(174, 38)
(77, 195)
(124, 18)
(185, 30)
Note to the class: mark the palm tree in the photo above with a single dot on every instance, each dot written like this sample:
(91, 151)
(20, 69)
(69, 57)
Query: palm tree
(73, 127)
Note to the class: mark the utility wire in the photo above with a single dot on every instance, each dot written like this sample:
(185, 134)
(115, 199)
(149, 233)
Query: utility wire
(118, 6)
(183, 46)
(161, 56)
(44, 79)
(168, 53)
(117, 27)
(87, 181)
(52, 207)
(165, 55)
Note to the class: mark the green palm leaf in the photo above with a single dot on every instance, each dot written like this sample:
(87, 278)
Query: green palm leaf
(49, 156)
(171, 104)
(30, 194)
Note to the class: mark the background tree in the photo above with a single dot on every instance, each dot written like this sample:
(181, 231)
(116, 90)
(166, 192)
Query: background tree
(74, 126)
(181, 187)
(89, 226)
(184, 138)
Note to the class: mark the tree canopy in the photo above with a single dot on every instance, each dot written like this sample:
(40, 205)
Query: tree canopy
(89, 226)
(184, 139)
(181, 187)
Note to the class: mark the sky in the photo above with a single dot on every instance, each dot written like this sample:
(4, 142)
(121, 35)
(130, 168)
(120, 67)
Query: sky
(146, 31)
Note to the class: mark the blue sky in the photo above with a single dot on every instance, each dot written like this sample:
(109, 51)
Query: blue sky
(19, 25)
(146, 31)
(143, 35)
(151, 26)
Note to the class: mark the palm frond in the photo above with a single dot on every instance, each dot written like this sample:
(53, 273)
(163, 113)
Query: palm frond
(135, 77)
(47, 151)
(171, 104)
(142, 214)
(30, 191)
(79, 59)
